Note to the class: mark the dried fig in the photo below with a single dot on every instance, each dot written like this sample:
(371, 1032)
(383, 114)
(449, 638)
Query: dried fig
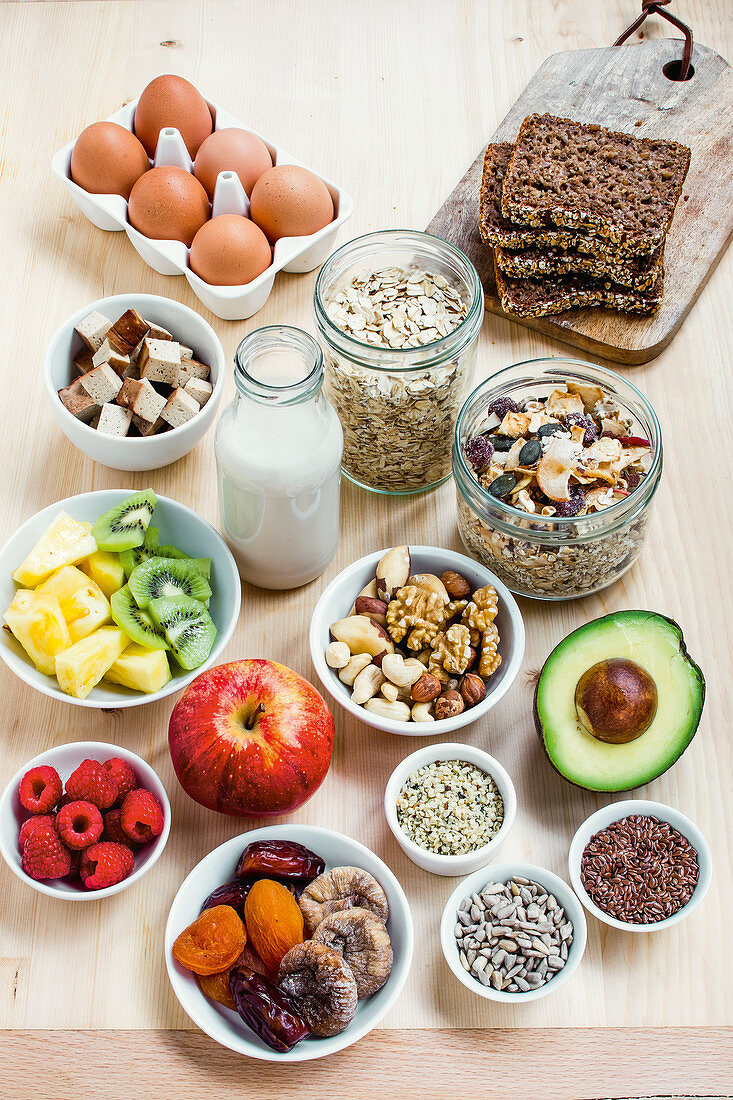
(363, 942)
(321, 987)
(339, 889)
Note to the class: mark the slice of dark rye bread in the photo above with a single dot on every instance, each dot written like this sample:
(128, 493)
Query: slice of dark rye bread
(541, 297)
(638, 272)
(581, 176)
(500, 232)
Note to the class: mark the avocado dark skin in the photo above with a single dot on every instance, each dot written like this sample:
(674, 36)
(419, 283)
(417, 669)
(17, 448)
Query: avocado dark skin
(616, 701)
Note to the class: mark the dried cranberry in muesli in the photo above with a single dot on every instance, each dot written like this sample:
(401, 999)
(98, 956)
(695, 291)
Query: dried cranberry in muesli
(569, 454)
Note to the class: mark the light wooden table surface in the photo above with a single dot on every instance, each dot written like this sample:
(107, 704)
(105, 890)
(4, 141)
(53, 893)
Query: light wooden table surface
(394, 99)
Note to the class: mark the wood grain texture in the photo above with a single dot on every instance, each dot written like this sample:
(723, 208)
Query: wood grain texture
(393, 99)
(491, 1063)
(625, 89)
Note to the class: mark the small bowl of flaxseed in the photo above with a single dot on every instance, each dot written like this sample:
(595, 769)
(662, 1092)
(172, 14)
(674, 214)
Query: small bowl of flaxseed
(639, 866)
(450, 807)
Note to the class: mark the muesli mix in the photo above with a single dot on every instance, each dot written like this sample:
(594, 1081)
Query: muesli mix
(398, 424)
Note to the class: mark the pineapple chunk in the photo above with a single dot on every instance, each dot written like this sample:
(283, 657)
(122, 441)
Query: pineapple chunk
(78, 669)
(39, 625)
(66, 542)
(105, 568)
(82, 601)
(140, 668)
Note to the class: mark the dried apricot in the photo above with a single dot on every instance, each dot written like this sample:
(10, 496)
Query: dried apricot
(216, 986)
(212, 943)
(274, 921)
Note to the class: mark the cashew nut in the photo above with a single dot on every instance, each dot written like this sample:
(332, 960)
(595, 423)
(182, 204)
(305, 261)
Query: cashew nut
(400, 712)
(421, 712)
(367, 683)
(338, 655)
(401, 672)
(349, 672)
(390, 692)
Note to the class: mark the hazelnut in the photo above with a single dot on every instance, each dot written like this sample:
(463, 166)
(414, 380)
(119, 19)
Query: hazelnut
(456, 585)
(449, 705)
(473, 690)
(427, 688)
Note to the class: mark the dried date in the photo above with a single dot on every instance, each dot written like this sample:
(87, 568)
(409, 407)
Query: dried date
(268, 1010)
(232, 893)
(280, 859)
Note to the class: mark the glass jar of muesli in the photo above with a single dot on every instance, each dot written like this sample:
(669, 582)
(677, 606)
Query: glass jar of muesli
(551, 556)
(398, 314)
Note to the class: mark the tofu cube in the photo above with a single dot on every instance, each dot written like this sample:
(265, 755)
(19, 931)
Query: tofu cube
(128, 332)
(82, 363)
(186, 353)
(159, 360)
(145, 427)
(189, 369)
(78, 402)
(114, 420)
(157, 332)
(102, 384)
(199, 389)
(179, 409)
(107, 354)
(93, 330)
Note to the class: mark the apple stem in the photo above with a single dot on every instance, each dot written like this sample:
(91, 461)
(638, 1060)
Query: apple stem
(250, 723)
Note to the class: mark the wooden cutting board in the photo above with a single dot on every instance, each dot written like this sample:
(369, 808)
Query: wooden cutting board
(624, 88)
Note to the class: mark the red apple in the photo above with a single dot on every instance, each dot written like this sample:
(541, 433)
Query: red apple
(251, 737)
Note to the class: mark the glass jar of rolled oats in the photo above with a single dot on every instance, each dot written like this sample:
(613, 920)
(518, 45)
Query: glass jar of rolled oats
(534, 550)
(398, 314)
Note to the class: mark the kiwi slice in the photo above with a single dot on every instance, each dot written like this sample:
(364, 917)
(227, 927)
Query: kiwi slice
(167, 578)
(130, 559)
(188, 629)
(202, 564)
(123, 527)
(171, 552)
(137, 624)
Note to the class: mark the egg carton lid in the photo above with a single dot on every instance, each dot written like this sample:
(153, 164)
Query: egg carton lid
(291, 254)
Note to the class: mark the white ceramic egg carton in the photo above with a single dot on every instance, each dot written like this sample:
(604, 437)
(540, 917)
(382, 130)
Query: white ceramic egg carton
(231, 303)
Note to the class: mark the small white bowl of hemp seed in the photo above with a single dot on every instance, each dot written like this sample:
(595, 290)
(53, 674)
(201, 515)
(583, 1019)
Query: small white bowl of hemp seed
(450, 807)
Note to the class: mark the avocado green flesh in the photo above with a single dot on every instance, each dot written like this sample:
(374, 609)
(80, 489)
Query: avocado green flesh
(656, 644)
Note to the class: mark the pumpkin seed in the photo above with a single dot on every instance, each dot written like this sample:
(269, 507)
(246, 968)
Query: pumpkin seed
(530, 453)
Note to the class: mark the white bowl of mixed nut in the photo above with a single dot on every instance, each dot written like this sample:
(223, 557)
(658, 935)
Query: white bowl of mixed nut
(639, 866)
(513, 932)
(417, 640)
(450, 807)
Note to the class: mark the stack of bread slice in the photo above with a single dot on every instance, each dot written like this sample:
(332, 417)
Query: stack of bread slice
(578, 215)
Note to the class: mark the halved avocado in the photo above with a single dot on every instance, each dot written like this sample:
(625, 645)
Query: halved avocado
(649, 650)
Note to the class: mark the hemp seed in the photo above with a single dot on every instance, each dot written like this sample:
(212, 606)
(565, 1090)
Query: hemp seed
(450, 807)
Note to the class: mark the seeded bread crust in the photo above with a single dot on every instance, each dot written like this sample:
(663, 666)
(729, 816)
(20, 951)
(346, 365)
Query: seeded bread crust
(639, 273)
(583, 176)
(499, 232)
(542, 297)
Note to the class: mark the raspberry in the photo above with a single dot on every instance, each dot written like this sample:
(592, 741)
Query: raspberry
(44, 856)
(478, 451)
(142, 816)
(123, 776)
(502, 406)
(113, 829)
(79, 824)
(92, 783)
(105, 864)
(75, 855)
(40, 789)
(570, 507)
(587, 422)
(31, 825)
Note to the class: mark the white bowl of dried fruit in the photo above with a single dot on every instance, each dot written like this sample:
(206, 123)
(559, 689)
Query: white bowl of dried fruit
(417, 641)
(134, 380)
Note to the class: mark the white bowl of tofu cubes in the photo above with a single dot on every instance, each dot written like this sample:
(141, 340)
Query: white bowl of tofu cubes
(111, 599)
(134, 380)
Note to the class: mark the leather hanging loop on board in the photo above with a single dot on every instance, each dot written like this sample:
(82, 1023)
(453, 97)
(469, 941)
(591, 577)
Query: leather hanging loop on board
(656, 7)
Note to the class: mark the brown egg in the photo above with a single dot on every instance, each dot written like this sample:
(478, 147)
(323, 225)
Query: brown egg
(172, 101)
(288, 201)
(168, 204)
(230, 250)
(232, 150)
(107, 159)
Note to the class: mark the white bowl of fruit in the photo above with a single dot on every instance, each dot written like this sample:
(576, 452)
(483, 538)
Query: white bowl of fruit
(112, 599)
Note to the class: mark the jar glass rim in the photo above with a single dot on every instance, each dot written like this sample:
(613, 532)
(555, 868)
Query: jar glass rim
(619, 510)
(436, 348)
(279, 337)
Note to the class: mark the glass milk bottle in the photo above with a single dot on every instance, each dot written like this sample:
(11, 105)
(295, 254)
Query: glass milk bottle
(278, 453)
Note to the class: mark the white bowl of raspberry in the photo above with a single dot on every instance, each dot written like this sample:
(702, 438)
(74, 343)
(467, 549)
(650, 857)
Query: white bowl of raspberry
(83, 821)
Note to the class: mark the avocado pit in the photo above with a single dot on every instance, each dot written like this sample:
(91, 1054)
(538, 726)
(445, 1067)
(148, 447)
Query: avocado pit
(616, 700)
